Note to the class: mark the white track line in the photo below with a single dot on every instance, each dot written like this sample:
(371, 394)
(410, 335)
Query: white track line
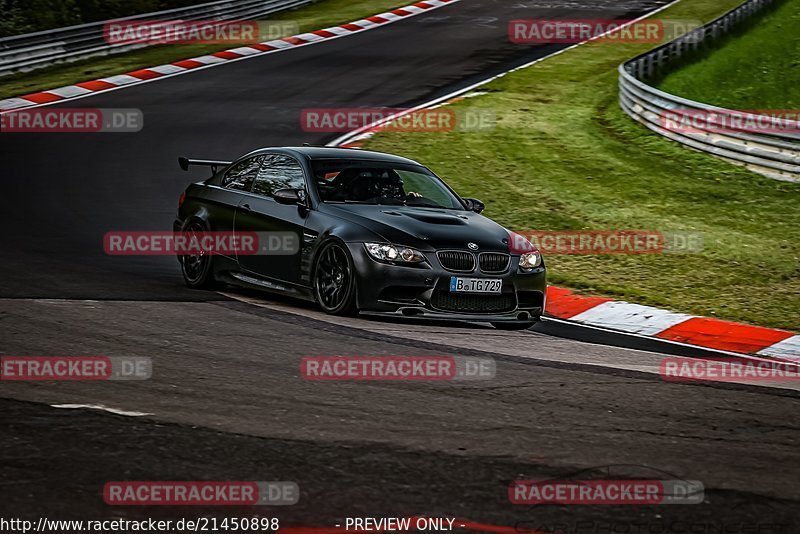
(101, 408)
(458, 92)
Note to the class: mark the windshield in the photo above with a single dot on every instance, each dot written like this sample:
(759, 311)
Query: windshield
(371, 182)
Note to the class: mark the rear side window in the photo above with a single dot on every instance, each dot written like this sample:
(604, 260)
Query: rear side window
(241, 175)
(278, 172)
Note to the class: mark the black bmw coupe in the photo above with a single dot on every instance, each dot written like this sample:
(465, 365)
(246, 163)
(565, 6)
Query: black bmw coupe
(374, 233)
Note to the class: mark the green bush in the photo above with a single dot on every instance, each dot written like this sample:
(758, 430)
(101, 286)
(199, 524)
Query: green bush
(25, 16)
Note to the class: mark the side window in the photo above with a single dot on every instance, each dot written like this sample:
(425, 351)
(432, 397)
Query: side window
(241, 175)
(278, 172)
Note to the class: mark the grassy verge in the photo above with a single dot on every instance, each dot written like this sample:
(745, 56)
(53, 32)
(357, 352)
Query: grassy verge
(563, 156)
(757, 69)
(314, 17)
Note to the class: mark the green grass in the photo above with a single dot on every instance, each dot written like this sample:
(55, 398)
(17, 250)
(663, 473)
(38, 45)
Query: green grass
(314, 17)
(756, 69)
(563, 156)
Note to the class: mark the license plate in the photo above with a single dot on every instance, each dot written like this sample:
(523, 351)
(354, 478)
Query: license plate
(475, 285)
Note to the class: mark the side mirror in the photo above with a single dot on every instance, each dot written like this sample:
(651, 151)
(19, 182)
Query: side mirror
(473, 204)
(289, 196)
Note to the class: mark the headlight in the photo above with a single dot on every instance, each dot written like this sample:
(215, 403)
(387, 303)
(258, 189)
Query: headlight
(393, 253)
(530, 260)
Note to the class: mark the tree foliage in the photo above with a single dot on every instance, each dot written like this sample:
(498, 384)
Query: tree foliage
(25, 16)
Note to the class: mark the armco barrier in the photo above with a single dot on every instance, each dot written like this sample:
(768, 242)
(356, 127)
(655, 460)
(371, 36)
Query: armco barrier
(775, 154)
(22, 53)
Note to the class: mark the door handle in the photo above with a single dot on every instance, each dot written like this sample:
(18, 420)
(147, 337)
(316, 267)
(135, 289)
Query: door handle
(246, 207)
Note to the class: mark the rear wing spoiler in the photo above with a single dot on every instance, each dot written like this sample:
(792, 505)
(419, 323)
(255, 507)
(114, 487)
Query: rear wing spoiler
(185, 163)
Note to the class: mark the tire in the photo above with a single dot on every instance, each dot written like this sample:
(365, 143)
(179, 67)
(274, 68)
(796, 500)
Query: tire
(520, 325)
(198, 271)
(335, 280)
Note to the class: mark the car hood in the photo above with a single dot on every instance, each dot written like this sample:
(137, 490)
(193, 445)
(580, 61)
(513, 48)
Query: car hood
(426, 228)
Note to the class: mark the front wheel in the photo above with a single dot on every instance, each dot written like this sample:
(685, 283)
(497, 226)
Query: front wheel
(521, 325)
(335, 280)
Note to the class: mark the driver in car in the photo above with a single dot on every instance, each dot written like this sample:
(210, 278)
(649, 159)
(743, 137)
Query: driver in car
(378, 183)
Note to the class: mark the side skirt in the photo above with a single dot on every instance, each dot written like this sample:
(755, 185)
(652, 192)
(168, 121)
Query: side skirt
(250, 281)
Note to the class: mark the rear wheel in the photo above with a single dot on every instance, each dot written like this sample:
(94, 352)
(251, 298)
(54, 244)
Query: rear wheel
(521, 325)
(198, 270)
(335, 281)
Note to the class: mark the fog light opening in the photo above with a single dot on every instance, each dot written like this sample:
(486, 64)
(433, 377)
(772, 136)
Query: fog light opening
(522, 316)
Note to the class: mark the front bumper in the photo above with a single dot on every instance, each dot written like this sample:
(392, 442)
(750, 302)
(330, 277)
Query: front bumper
(422, 291)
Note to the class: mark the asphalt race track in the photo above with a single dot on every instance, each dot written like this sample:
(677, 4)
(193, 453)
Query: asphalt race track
(226, 400)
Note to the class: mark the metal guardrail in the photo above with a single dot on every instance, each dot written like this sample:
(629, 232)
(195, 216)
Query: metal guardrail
(22, 53)
(774, 153)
